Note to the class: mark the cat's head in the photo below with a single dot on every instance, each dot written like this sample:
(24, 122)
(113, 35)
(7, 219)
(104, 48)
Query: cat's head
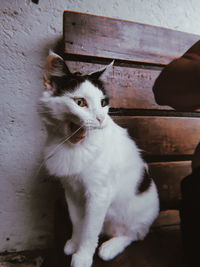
(71, 100)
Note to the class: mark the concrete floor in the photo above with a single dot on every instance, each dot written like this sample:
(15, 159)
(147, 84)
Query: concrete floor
(23, 259)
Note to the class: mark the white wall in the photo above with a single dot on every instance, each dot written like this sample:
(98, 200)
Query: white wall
(27, 31)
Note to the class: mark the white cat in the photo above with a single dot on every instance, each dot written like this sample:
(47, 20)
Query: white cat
(98, 164)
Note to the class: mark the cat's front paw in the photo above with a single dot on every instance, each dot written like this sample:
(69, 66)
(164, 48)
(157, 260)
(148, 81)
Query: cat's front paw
(107, 251)
(70, 247)
(81, 260)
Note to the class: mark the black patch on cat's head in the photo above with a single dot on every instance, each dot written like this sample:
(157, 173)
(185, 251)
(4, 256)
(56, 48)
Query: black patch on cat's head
(58, 79)
(97, 82)
(66, 83)
(145, 183)
(69, 83)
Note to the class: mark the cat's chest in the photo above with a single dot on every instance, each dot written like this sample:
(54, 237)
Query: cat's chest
(69, 161)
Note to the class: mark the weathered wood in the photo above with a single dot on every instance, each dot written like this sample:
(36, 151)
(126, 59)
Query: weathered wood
(163, 135)
(167, 218)
(97, 36)
(168, 176)
(129, 88)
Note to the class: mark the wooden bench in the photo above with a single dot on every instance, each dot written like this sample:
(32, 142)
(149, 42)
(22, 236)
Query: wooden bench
(167, 138)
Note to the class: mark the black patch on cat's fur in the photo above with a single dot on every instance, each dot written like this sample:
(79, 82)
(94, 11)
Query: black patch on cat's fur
(69, 83)
(145, 182)
(98, 83)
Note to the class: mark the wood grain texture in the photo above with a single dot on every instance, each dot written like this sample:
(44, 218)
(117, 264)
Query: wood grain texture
(163, 135)
(97, 36)
(167, 218)
(127, 87)
(168, 176)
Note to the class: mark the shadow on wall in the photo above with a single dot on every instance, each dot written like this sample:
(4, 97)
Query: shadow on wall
(46, 189)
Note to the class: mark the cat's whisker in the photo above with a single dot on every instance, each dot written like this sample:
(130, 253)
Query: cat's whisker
(52, 153)
(55, 149)
(89, 128)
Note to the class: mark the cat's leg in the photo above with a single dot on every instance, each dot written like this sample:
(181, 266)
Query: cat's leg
(95, 210)
(75, 216)
(114, 246)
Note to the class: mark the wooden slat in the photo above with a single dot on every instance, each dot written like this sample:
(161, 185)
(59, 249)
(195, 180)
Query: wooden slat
(129, 88)
(167, 218)
(163, 135)
(97, 36)
(167, 176)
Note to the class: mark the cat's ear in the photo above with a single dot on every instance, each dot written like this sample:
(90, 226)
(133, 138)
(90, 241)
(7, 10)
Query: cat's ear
(97, 74)
(54, 67)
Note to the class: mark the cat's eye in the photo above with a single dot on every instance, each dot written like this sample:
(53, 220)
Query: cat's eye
(81, 102)
(104, 102)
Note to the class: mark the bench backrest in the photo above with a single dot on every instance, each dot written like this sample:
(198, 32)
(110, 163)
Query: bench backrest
(168, 138)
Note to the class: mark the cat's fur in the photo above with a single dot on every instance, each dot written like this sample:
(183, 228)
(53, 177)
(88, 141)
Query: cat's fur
(99, 165)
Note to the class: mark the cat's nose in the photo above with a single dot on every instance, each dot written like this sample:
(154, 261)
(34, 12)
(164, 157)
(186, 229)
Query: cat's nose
(100, 119)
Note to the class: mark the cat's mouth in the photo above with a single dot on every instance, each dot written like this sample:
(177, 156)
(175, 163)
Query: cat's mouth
(78, 133)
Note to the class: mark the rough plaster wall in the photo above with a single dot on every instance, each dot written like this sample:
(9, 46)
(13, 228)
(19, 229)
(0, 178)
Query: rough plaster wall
(27, 31)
